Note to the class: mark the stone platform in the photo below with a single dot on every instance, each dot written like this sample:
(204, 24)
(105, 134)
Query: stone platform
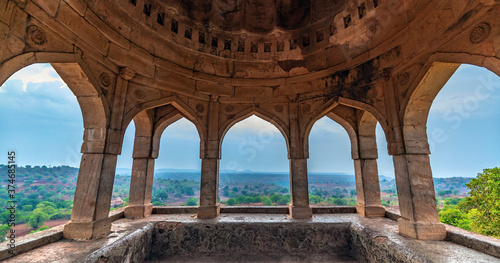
(254, 238)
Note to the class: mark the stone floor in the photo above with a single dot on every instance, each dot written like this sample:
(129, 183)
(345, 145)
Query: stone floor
(130, 237)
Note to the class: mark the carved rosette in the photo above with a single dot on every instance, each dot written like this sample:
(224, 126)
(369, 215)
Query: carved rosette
(480, 33)
(140, 94)
(200, 108)
(36, 35)
(278, 108)
(105, 79)
(403, 78)
(371, 93)
(229, 108)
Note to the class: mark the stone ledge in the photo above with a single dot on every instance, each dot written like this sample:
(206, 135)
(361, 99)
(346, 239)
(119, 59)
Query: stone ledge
(482, 243)
(392, 215)
(334, 209)
(253, 209)
(32, 241)
(165, 210)
(42, 238)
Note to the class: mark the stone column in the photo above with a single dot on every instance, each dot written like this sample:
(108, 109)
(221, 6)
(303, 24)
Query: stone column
(209, 188)
(141, 183)
(417, 199)
(299, 189)
(366, 172)
(368, 188)
(89, 217)
(94, 187)
(298, 154)
(210, 156)
(141, 186)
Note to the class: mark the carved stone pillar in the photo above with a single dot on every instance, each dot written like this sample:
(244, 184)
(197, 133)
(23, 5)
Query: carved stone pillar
(89, 217)
(210, 156)
(368, 188)
(417, 199)
(209, 188)
(299, 189)
(94, 187)
(366, 172)
(298, 154)
(141, 183)
(141, 186)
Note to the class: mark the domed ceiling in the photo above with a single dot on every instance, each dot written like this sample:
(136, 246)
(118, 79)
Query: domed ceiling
(258, 16)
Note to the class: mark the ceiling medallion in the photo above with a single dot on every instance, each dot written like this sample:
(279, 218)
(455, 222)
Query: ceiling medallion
(140, 94)
(479, 33)
(403, 78)
(105, 80)
(278, 108)
(37, 35)
(229, 108)
(200, 108)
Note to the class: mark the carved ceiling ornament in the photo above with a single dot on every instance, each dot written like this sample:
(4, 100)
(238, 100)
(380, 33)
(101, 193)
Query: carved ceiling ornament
(403, 78)
(200, 108)
(140, 94)
(229, 108)
(371, 93)
(480, 33)
(105, 79)
(37, 35)
(278, 108)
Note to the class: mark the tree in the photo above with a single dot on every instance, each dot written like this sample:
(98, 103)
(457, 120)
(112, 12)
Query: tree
(192, 201)
(452, 216)
(163, 195)
(37, 218)
(353, 192)
(339, 201)
(230, 201)
(484, 202)
(275, 198)
(4, 229)
(27, 207)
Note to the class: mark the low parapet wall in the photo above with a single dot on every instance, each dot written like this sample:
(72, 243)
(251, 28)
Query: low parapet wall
(159, 237)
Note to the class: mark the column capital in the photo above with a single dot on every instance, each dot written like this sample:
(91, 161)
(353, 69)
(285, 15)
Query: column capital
(127, 73)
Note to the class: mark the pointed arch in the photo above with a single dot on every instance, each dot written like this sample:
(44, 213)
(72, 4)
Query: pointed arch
(318, 114)
(182, 107)
(431, 79)
(160, 127)
(76, 74)
(278, 123)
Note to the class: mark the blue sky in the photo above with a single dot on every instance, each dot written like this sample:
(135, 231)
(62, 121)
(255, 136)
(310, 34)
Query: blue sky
(41, 120)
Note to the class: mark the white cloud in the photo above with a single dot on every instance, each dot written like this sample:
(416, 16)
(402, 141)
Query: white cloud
(37, 73)
(254, 124)
(327, 125)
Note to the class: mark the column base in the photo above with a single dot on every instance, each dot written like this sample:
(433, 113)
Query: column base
(370, 210)
(422, 230)
(300, 212)
(208, 211)
(87, 230)
(138, 211)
